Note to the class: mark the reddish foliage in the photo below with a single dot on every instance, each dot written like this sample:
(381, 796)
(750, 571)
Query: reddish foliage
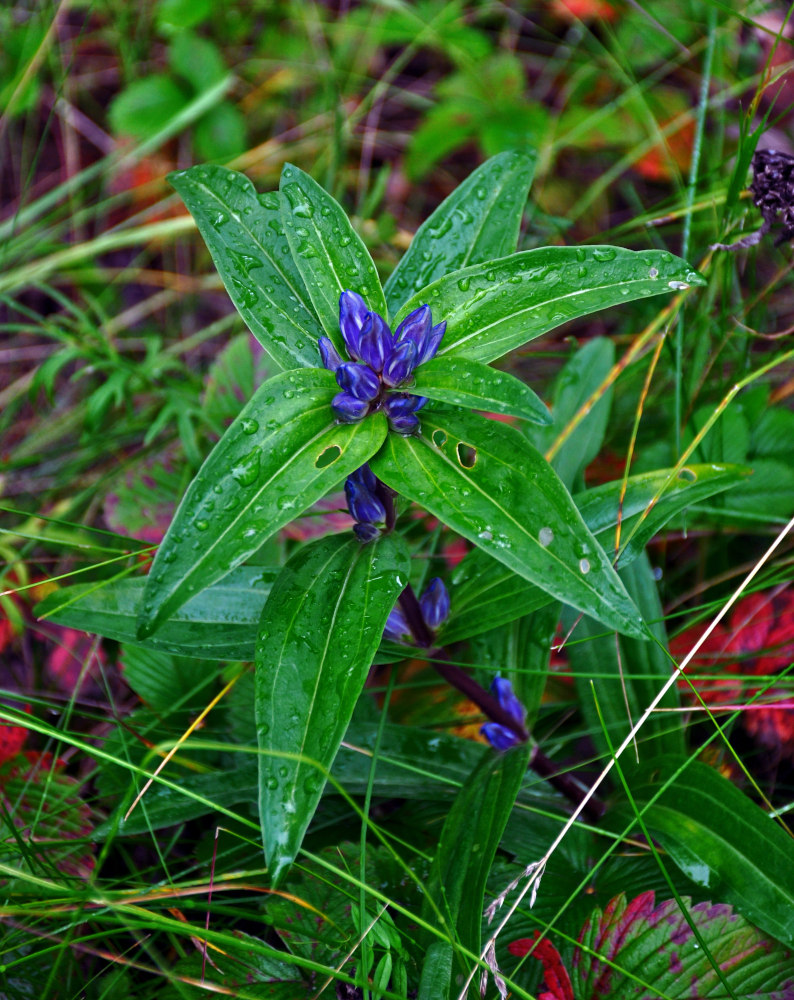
(12, 739)
(555, 975)
(759, 641)
(584, 10)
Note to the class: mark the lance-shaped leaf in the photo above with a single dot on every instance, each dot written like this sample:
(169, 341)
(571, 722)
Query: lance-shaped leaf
(477, 222)
(327, 250)
(320, 629)
(487, 594)
(475, 386)
(244, 234)
(488, 483)
(220, 623)
(720, 839)
(282, 453)
(469, 839)
(493, 308)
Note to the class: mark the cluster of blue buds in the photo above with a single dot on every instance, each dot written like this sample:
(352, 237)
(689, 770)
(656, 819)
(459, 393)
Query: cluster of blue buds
(364, 504)
(382, 361)
(434, 603)
(500, 737)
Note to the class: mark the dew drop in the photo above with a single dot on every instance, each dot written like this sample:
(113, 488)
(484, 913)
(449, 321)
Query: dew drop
(481, 193)
(249, 426)
(201, 525)
(584, 565)
(654, 272)
(463, 284)
(604, 253)
(677, 286)
(246, 472)
(545, 537)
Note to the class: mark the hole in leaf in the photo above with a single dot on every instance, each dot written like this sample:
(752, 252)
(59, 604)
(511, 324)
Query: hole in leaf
(439, 438)
(328, 457)
(467, 456)
(687, 474)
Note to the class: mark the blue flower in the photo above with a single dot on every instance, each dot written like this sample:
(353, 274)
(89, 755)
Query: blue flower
(500, 737)
(379, 362)
(434, 605)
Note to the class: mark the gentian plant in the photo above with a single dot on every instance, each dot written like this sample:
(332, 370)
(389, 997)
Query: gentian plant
(379, 391)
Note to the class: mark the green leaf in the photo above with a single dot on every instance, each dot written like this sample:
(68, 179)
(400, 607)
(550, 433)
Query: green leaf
(283, 452)
(244, 235)
(477, 222)
(579, 378)
(146, 106)
(487, 594)
(320, 628)
(436, 972)
(221, 133)
(488, 483)
(327, 250)
(218, 624)
(197, 60)
(176, 15)
(477, 387)
(612, 674)
(468, 843)
(163, 681)
(722, 840)
(492, 308)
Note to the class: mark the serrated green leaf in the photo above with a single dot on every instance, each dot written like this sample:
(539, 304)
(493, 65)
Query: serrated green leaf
(468, 843)
(487, 594)
(327, 250)
(492, 308)
(722, 840)
(244, 234)
(507, 500)
(320, 628)
(283, 452)
(477, 387)
(477, 222)
(218, 624)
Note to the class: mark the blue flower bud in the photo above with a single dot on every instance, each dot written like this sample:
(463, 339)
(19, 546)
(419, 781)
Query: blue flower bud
(499, 737)
(365, 532)
(359, 380)
(352, 313)
(396, 627)
(348, 409)
(503, 689)
(433, 342)
(401, 405)
(329, 354)
(435, 603)
(404, 424)
(365, 477)
(375, 342)
(364, 506)
(400, 364)
(416, 328)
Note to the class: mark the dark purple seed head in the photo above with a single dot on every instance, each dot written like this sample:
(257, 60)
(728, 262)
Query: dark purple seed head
(400, 364)
(352, 313)
(329, 354)
(396, 626)
(359, 380)
(435, 603)
(363, 505)
(348, 409)
(503, 689)
(365, 532)
(375, 342)
(499, 737)
(416, 327)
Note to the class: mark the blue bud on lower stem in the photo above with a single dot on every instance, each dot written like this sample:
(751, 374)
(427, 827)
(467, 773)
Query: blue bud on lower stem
(363, 504)
(366, 532)
(499, 737)
(396, 627)
(434, 603)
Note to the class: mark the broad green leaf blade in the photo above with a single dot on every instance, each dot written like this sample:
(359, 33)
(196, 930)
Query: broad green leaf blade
(468, 843)
(630, 671)
(493, 308)
(436, 972)
(327, 250)
(283, 452)
(220, 623)
(581, 376)
(477, 222)
(487, 594)
(507, 500)
(720, 839)
(641, 951)
(477, 387)
(244, 234)
(320, 629)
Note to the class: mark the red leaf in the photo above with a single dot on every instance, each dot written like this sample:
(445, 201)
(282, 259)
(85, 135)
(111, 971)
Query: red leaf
(555, 975)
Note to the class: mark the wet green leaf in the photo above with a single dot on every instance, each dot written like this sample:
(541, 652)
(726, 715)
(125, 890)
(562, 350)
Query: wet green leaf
(327, 250)
(477, 387)
(488, 483)
(283, 452)
(477, 222)
(319, 632)
(487, 594)
(217, 624)
(721, 840)
(495, 307)
(244, 234)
